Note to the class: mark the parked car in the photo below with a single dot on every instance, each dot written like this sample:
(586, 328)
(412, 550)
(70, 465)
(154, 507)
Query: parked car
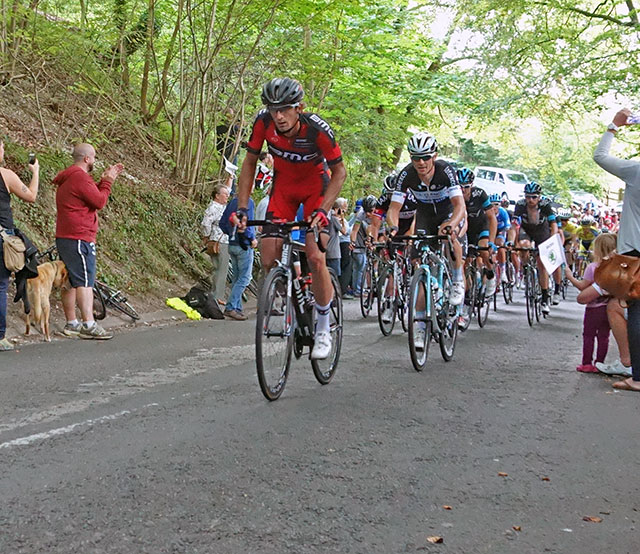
(505, 182)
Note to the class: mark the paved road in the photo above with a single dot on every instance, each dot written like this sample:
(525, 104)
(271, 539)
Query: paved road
(160, 441)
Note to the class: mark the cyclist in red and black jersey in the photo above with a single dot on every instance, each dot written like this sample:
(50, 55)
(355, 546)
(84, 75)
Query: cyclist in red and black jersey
(308, 170)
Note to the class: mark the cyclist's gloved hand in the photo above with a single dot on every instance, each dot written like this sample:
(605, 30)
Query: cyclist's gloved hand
(242, 214)
(509, 243)
(493, 247)
(393, 231)
(319, 218)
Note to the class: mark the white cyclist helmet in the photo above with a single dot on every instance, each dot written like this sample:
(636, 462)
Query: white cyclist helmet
(422, 144)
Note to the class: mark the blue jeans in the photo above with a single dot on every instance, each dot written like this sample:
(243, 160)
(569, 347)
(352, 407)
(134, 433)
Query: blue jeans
(241, 264)
(359, 259)
(4, 287)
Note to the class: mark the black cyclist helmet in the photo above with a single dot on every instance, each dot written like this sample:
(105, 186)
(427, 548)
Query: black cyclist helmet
(465, 176)
(369, 203)
(390, 182)
(532, 188)
(280, 92)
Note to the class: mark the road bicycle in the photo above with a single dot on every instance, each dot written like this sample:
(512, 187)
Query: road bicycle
(476, 302)
(532, 289)
(431, 314)
(369, 280)
(509, 283)
(393, 289)
(104, 296)
(285, 317)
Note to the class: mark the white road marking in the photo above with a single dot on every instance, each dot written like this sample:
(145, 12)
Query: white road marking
(30, 439)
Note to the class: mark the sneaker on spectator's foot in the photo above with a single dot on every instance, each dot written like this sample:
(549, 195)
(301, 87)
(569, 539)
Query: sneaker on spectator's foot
(419, 339)
(235, 314)
(586, 368)
(5, 345)
(95, 332)
(72, 330)
(321, 346)
(615, 368)
(347, 296)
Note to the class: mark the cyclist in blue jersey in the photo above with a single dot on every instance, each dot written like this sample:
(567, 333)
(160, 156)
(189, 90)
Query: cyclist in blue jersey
(504, 224)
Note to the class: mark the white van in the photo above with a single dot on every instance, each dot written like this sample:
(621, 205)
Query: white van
(504, 182)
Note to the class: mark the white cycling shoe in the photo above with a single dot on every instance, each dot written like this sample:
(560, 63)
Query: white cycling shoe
(387, 315)
(491, 287)
(321, 346)
(419, 339)
(457, 293)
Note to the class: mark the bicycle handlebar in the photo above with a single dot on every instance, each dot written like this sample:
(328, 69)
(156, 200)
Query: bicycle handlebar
(289, 226)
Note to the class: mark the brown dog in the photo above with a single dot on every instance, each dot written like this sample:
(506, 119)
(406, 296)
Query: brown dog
(50, 275)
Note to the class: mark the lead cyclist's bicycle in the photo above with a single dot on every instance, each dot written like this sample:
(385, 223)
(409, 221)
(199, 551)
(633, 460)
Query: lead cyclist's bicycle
(285, 318)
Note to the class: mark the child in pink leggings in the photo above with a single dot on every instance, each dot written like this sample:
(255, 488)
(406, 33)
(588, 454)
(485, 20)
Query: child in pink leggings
(596, 323)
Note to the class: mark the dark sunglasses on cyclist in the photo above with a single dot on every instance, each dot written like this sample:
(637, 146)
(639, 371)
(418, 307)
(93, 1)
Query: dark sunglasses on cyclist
(275, 109)
(532, 196)
(467, 186)
(424, 158)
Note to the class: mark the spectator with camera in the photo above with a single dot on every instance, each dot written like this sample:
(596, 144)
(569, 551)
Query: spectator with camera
(629, 233)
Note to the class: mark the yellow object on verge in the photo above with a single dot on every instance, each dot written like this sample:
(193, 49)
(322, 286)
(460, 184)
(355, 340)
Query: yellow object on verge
(179, 304)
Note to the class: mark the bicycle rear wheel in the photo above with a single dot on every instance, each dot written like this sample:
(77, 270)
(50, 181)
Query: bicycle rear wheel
(275, 325)
(324, 370)
(367, 289)
(99, 308)
(507, 287)
(387, 306)
(419, 323)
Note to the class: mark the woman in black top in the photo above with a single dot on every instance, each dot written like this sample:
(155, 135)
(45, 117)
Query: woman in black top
(11, 183)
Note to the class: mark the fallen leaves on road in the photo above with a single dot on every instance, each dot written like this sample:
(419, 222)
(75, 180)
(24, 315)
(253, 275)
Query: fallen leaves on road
(446, 507)
(435, 539)
(502, 474)
(592, 519)
(545, 478)
(516, 528)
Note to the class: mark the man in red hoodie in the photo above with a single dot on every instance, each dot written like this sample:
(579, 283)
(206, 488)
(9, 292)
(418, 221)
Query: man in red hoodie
(78, 200)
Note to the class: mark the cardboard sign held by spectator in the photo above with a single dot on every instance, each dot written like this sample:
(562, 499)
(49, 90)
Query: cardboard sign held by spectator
(552, 253)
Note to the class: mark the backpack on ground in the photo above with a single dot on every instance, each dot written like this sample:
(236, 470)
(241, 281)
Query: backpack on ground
(204, 303)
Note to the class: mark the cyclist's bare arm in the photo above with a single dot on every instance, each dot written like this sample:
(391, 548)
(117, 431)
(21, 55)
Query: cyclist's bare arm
(338, 176)
(493, 225)
(392, 213)
(245, 181)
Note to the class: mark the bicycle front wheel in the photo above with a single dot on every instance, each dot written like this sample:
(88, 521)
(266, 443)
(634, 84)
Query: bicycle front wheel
(324, 370)
(419, 324)
(275, 325)
(483, 309)
(448, 321)
(366, 290)
(529, 295)
(387, 306)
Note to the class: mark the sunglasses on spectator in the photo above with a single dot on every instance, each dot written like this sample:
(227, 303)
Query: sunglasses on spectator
(274, 109)
(533, 196)
(424, 158)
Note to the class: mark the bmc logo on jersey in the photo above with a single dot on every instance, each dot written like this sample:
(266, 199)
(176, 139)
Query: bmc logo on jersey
(292, 156)
(322, 124)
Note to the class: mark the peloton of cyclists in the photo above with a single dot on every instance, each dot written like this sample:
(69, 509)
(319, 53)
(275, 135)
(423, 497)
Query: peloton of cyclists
(308, 170)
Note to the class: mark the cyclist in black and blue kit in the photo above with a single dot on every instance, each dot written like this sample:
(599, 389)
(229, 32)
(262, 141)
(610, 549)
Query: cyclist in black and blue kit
(504, 224)
(537, 224)
(482, 223)
(440, 207)
(406, 216)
